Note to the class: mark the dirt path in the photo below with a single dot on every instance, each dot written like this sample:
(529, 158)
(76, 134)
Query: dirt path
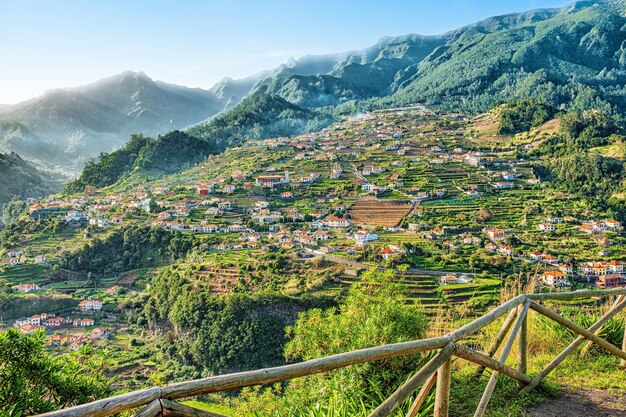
(582, 403)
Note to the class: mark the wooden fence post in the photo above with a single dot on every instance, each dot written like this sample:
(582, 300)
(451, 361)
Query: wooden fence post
(491, 385)
(522, 347)
(442, 393)
(422, 395)
(622, 363)
(397, 398)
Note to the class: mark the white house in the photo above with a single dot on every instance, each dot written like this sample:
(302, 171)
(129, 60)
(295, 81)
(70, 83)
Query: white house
(332, 221)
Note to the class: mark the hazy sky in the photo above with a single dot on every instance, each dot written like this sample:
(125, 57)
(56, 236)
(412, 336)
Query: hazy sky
(48, 44)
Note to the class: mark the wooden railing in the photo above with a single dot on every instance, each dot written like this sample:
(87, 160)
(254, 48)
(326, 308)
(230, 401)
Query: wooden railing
(159, 401)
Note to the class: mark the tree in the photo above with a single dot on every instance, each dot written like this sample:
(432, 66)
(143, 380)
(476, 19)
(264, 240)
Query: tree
(483, 215)
(12, 210)
(33, 382)
(373, 314)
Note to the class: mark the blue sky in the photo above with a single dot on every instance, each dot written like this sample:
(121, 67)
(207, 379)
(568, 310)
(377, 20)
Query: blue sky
(49, 44)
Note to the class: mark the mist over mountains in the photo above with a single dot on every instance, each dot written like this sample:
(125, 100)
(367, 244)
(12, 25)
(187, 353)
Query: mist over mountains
(75, 123)
(573, 56)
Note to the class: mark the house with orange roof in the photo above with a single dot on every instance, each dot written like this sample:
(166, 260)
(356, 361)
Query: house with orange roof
(555, 279)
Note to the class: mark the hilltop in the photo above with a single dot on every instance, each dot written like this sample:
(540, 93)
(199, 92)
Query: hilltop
(567, 58)
(66, 126)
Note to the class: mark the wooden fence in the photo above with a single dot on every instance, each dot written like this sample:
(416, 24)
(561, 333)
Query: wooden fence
(159, 401)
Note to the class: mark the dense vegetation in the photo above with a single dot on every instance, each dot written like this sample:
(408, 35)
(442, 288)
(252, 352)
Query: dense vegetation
(33, 382)
(109, 167)
(127, 249)
(569, 162)
(372, 314)
(12, 210)
(259, 116)
(22, 180)
(571, 56)
(168, 153)
(522, 115)
(213, 333)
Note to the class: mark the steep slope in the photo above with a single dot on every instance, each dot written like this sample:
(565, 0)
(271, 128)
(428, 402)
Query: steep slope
(259, 116)
(329, 80)
(20, 179)
(78, 122)
(165, 154)
(573, 55)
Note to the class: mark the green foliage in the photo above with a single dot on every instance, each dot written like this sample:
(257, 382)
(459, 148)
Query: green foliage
(565, 159)
(20, 180)
(588, 129)
(109, 167)
(372, 314)
(571, 56)
(256, 117)
(522, 115)
(169, 153)
(127, 249)
(33, 382)
(588, 174)
(12, 210)
(219, 333)
(173, 152)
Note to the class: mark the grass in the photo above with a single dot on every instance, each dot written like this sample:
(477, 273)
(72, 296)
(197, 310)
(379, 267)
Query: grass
(19, 274)
(206, 406)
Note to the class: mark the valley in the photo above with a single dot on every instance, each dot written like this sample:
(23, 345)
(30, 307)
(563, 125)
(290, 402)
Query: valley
(403, 197)
(297, 222)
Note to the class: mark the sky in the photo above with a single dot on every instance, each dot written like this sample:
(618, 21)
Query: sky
(60, 43)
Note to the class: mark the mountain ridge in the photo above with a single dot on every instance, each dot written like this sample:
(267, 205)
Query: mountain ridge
(571, 55)
(72, 124)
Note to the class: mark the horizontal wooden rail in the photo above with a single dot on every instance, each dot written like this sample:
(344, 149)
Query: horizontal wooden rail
(574, 295)
(153, 396)
(314, 366)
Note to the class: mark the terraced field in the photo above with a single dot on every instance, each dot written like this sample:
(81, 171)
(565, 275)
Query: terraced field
(375, 212)
(422, 292)
(220, 279)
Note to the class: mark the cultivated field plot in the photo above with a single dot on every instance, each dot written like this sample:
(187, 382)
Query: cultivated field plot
(375, 212)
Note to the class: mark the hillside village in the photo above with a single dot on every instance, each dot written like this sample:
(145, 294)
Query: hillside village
(412, 190)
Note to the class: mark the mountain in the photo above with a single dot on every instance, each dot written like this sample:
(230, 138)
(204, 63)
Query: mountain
(259, 116)
(232, 91)
(573, 56)
(5, 108)
(71, 124)
(20, 179)
(330, 80)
